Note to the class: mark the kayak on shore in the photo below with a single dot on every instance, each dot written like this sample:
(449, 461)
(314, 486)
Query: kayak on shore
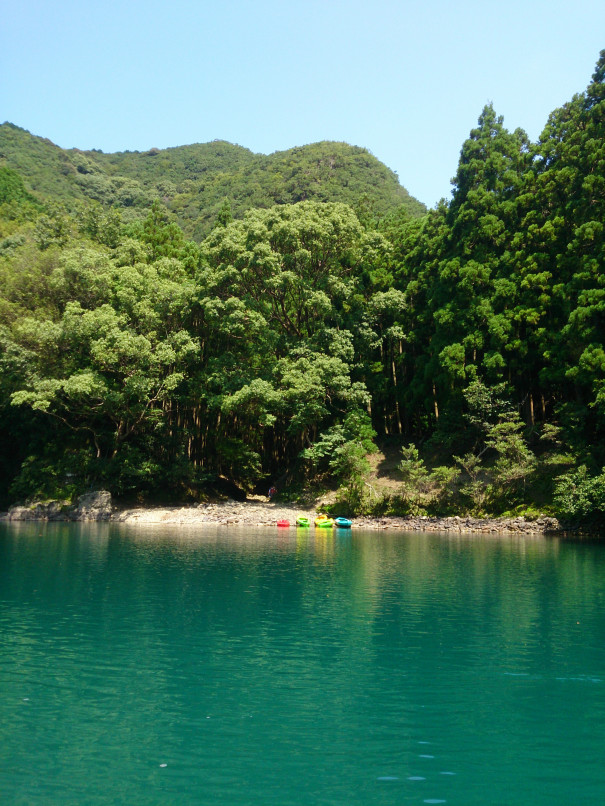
(342, 523)
(323, 522)
(303, 521)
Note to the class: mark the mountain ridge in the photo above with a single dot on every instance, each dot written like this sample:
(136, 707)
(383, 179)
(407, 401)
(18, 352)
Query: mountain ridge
(193, 181)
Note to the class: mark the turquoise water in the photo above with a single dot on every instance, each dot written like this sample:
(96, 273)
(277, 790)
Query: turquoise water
(215, 666)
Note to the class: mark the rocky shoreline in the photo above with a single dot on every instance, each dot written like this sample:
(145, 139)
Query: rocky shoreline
(98, 506)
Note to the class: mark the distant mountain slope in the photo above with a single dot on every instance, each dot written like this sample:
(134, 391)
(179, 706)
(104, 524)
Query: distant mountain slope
(193, 181)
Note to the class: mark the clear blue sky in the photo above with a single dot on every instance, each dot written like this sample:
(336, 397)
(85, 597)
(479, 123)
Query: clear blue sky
(407, 80)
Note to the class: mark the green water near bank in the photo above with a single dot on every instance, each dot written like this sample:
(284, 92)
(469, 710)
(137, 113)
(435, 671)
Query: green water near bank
(167, 666)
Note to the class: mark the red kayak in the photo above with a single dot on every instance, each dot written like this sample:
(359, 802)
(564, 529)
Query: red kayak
(283, 523)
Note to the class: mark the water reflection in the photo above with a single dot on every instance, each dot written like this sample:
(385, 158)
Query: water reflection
(298, 666)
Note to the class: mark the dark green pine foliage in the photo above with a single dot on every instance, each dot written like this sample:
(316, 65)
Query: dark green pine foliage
(562, 265)
(474, 275)
(457, 267)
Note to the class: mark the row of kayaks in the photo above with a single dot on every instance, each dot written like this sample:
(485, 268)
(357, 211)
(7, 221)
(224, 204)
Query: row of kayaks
(321, 522)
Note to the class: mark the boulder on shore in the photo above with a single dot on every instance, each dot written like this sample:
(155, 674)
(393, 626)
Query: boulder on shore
(93, 506)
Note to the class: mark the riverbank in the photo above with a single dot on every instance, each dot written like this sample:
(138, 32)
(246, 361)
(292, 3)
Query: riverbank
(98, 506)
(255, 514)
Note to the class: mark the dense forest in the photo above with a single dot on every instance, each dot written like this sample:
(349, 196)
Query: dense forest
(192, 182)
(183, 319)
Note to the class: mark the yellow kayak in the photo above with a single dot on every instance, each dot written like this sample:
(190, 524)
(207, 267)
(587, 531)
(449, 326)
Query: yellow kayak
(323, 522)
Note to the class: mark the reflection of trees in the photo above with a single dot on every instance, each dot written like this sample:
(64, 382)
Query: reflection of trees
(349, 634)
(491, 600)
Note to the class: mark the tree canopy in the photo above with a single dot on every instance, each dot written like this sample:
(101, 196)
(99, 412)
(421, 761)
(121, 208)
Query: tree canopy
(307, 322)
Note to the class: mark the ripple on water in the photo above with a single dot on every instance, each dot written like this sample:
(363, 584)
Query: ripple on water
(228, 657)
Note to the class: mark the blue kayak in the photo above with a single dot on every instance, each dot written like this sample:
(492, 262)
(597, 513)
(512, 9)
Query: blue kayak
(342, 523)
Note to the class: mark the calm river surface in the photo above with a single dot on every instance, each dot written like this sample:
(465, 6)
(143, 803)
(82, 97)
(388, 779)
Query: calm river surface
(231, 666)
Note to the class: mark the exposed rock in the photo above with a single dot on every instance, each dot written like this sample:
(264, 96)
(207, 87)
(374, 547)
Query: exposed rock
(97, 506)
(94, 506)
(254, 513)
(424, 523)
(40, 511)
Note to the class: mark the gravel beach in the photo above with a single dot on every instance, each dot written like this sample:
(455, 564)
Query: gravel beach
(98, 506)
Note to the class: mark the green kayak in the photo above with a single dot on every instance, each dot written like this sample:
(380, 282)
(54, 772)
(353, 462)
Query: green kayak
(323, 522)
(302, 521)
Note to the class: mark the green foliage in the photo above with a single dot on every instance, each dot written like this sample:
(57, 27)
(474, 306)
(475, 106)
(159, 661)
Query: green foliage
(500, 464)
(133, 357)
(476, 486)
(53, 475)
(12, 187)
(342, 448)
(341, 452)
(224, 216)
(100, 225)
(515, 461)
(580, 497)
(423, 490)
(202, 184)
(52, 230)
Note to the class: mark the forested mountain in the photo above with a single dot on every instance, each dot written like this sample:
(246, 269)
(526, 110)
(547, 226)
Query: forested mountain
(287, 342)
(194, 181)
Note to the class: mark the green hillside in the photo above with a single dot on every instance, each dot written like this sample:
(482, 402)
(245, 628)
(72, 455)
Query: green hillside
(193, 181)
(291, 342)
